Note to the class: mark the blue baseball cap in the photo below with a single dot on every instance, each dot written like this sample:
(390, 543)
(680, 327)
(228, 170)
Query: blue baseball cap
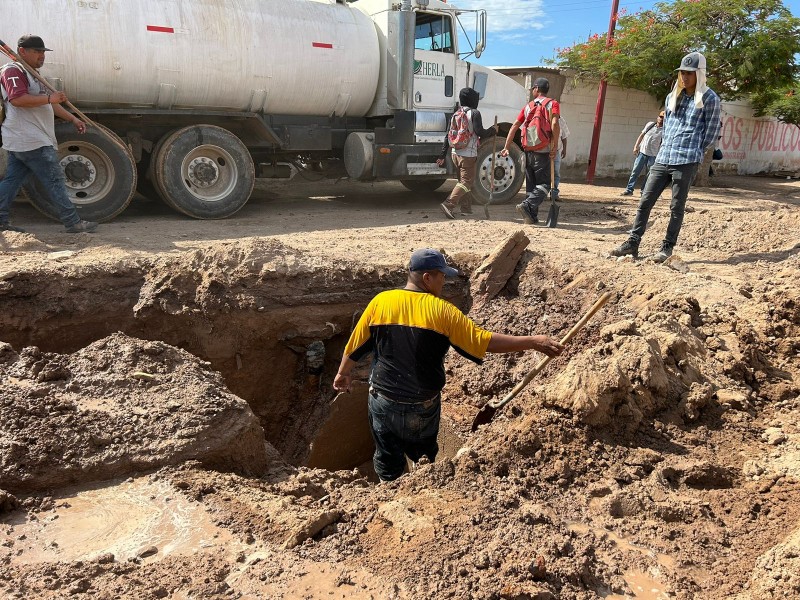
(429, 259)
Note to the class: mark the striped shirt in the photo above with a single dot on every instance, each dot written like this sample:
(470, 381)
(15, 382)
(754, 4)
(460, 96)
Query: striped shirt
(409, 334)
(689, 130)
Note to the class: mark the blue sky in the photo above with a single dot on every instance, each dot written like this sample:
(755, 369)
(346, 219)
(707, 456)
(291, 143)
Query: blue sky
(525, 32)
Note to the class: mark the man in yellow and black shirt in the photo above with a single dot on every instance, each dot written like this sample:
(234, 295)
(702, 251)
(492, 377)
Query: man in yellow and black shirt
(409, 331)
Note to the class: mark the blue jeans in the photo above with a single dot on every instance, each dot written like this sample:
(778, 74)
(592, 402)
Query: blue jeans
(642, 161)
(681, 177)
(43, 164)
(557, 172)
(401, 430)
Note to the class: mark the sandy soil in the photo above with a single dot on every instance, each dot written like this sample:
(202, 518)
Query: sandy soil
(658, 458)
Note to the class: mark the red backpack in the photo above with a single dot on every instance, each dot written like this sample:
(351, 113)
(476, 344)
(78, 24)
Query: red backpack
(460, 132)
(537, 130)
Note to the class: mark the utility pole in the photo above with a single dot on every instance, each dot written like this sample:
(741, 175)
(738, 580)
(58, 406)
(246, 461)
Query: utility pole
(601, 100)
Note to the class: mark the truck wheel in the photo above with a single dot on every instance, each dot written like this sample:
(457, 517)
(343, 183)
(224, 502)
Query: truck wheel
(509, 173)
(204, 171)
(423, 186)
(100, 174)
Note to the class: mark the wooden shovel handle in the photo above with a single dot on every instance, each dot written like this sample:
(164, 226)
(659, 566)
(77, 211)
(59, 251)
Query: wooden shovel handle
(16, 58)
(564, 341)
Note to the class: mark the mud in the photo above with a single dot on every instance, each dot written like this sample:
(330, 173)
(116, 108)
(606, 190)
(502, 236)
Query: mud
(168, 429)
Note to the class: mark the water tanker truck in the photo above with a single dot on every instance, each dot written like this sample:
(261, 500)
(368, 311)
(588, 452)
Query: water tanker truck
(206, 95)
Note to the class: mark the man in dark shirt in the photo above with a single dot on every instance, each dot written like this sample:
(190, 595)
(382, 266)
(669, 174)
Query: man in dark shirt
(409, 331)
(465, 159)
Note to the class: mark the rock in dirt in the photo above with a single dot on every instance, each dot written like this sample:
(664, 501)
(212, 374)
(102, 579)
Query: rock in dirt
(499, 266)
(84, 417)
(8, 502)
(312, 527)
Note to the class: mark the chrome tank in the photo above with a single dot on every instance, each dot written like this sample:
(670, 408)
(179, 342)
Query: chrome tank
(291, 57)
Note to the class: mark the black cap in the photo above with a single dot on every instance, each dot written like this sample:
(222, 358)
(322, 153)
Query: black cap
(32, 42)
(542, 84)
(429, 259)
(694, 61)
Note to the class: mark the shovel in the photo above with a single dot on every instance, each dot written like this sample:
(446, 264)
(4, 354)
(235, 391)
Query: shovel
(491, 175)
(552, 216)
(490, 409)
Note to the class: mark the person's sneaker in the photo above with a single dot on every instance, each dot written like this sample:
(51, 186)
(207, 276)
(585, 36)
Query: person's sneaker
(663, 254)
(7, 227)
(447, 210)
(628, 248)
(626, 193)
(82, 227)
(527, 217)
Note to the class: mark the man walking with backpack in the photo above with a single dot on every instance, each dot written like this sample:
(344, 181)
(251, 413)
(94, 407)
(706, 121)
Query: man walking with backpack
(540, 134)
(691, 125)
(645, 150)
(466, 130)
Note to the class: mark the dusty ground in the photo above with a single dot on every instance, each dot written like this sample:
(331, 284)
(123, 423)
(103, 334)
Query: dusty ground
(658, 458)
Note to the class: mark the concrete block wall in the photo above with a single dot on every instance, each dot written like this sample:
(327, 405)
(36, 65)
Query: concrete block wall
(624, 116)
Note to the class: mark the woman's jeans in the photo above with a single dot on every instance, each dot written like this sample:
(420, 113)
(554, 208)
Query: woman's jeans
(401, 430)
(43, 164)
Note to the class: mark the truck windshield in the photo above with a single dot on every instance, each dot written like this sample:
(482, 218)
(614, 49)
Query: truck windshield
(433, 32)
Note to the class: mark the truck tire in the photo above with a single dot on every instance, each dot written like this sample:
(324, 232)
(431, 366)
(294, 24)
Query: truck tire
(423, 186)
(204, 171)
(100, 174)
(509, 173)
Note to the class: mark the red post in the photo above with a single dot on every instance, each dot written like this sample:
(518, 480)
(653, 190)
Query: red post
(601, 100)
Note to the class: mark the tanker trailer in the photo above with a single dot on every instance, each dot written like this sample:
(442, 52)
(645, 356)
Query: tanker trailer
(207, 95)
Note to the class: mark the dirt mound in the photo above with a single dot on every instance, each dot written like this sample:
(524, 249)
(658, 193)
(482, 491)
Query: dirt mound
(658, 457)
(119, 406)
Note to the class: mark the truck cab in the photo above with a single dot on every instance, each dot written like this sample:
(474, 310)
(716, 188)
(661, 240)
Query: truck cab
(423, 68)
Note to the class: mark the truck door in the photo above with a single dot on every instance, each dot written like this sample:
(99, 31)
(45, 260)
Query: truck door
(434, 62)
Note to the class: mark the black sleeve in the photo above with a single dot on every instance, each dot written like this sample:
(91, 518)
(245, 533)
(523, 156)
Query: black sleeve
(445, 147)
(477, 126)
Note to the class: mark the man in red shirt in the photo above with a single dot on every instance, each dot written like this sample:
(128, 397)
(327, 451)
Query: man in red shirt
(537, 161)
(29, 136)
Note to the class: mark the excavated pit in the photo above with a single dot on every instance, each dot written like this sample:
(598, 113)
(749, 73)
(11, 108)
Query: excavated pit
(141, 397)
(273, 323)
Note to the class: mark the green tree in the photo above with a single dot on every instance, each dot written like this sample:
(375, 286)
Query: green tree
(782, 103)
(749, 45)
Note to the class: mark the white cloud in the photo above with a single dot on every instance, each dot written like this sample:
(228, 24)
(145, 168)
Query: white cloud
(508, 18)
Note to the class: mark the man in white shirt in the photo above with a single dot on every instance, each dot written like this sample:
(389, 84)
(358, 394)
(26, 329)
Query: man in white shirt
(29, 137)
(560, 155)
(645, 149)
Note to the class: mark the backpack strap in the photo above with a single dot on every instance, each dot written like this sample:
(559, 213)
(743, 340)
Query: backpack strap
(649, 127)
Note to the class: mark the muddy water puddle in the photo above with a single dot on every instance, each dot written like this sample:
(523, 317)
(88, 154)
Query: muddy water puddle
(124, 518)
(643, 585)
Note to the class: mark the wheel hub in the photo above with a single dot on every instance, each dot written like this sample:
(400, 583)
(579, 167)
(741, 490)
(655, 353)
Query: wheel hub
(503, 173)
(79, 171)
(203, 172)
